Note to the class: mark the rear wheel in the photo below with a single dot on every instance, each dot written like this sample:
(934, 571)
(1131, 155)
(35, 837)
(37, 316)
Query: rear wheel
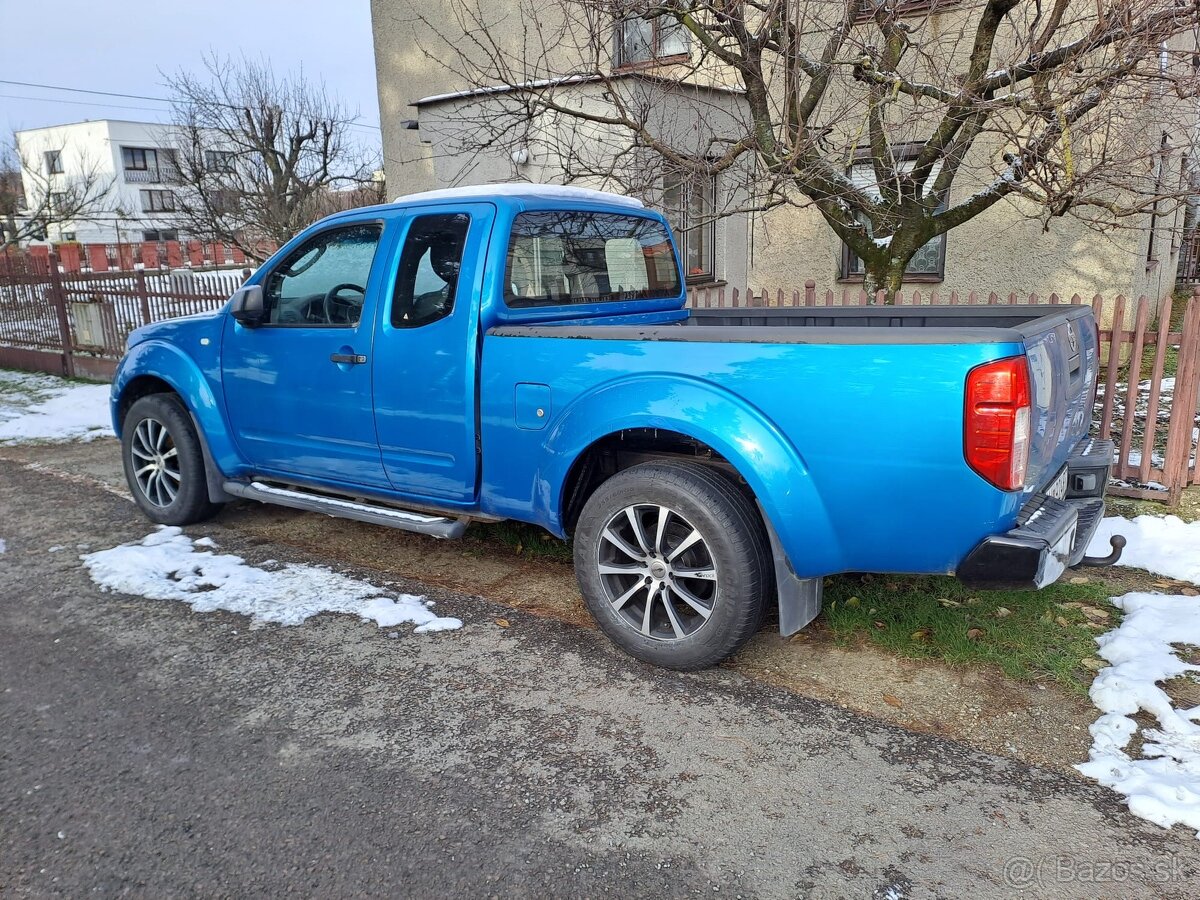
(672, 562)
(164, 464)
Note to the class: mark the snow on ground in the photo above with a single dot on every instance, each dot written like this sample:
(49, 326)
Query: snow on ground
(3, 545)
(1161, 783)
(1165, 545)
(167, 565)
(45, 408)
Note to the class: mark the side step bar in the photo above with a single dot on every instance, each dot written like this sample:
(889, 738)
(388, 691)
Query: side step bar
(437, 526)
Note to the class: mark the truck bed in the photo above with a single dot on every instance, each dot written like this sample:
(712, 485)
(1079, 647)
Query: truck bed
(829, 325)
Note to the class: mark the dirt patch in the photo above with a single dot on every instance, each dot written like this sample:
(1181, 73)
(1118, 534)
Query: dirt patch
(1038, 724)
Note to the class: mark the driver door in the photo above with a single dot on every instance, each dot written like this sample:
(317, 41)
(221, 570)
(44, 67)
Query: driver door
(298, 386)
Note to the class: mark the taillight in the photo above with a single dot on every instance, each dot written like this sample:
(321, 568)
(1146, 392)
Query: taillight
(996, 425)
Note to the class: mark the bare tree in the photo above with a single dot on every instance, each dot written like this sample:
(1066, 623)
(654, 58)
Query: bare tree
(32, 198)
(257, 155)
(897, 121)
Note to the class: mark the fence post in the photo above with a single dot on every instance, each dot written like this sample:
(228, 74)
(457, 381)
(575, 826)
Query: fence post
(1176, 462)
(58, 299)
(810, 293)
(139, 278)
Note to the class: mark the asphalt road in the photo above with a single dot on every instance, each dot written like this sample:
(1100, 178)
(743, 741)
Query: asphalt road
(149, 750)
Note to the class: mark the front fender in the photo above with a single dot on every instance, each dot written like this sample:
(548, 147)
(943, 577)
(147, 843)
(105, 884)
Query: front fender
(752, 444)
(167, 362)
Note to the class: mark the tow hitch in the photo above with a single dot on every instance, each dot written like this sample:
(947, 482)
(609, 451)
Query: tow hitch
(1117, 542)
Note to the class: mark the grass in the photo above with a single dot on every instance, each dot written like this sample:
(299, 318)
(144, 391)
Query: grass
(521, 539)
(1029, 635)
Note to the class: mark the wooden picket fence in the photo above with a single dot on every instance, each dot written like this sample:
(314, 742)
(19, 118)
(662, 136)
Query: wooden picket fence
(1153, 421)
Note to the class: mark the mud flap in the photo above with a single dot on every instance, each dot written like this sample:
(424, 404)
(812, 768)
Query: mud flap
(799, 598)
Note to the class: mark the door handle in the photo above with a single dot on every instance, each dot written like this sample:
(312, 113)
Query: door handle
(352, 359)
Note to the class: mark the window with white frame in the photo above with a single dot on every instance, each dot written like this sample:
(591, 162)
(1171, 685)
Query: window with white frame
(929, 262)
(644, 41)
(689, 201)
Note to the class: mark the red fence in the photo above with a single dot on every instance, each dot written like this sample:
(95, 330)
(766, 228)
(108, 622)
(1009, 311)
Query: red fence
(76, 258)
(76, 323)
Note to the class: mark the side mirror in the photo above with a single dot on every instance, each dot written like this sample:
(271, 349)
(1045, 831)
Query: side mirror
(247, 305)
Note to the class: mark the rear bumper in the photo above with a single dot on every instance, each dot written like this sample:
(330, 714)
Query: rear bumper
(1051, 535)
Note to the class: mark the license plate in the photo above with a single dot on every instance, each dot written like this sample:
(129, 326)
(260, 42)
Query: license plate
(1058, 487)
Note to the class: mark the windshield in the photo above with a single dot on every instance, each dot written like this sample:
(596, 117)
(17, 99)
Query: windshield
(566, 257)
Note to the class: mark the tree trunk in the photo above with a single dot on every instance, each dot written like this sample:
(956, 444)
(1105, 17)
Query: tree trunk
(884, 273)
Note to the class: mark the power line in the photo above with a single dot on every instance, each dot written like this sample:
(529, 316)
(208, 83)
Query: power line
(56, 87)
(75, 90)
(91, 103)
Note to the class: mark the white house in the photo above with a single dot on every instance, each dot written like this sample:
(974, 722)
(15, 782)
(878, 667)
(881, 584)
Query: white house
(133, 157)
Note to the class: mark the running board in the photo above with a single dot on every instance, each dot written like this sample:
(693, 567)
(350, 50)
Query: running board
(437, 526)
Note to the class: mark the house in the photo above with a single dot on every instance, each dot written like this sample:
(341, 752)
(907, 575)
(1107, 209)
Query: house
(439, 129)
(131, 160)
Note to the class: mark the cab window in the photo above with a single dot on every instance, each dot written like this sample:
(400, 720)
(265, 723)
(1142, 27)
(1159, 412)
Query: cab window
(323, 282)
(427, 277)
(568, 257)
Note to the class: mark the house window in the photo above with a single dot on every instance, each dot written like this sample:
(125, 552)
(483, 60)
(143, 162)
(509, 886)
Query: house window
(58, 201)
(689, 201)
(158, 201)
(54, 164)
(161, 234)
(641, 41)
(218, 160)
(68, 236)
(222, 201)
(927, 264)
(136, 159)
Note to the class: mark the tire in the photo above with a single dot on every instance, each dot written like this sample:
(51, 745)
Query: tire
(164, 465)
(709, 592)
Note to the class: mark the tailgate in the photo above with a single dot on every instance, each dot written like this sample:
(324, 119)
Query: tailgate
(1063, 352)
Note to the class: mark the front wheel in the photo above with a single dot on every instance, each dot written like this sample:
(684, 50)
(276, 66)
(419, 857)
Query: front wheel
(672, 562)
(164, 464)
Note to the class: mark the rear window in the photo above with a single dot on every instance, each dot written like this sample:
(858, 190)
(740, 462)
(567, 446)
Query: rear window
(565, 257)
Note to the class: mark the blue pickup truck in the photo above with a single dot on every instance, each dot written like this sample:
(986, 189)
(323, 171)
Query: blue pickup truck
(524, 352)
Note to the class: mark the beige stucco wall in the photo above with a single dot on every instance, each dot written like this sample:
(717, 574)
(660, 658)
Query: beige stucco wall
(1003, 250)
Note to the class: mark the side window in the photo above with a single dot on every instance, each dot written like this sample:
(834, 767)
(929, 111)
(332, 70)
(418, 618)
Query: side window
(323, 282)
(427, 277)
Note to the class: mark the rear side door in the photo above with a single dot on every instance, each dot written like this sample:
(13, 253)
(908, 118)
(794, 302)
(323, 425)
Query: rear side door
(427, 352)
(298, 386)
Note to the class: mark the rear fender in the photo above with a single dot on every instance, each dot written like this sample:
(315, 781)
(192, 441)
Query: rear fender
(751, 443)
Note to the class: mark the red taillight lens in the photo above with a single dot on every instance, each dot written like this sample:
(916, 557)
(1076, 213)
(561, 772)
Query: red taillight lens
(996, 426)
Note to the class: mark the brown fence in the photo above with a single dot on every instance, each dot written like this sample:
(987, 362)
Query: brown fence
(76, 323)
(1150, 371)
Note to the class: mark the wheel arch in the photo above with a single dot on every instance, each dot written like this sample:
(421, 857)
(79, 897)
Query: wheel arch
(155, 367)
(673, 416)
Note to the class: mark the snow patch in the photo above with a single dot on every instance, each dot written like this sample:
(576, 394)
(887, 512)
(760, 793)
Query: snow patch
(1165, 545)
(43, 408)
(1161, 785)
(166, 565)
(3, 545)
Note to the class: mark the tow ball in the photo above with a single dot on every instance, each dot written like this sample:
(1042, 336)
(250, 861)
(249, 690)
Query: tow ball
(1117, 542)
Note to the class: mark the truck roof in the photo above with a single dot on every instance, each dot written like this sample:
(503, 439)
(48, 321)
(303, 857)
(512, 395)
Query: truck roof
(521, 191)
